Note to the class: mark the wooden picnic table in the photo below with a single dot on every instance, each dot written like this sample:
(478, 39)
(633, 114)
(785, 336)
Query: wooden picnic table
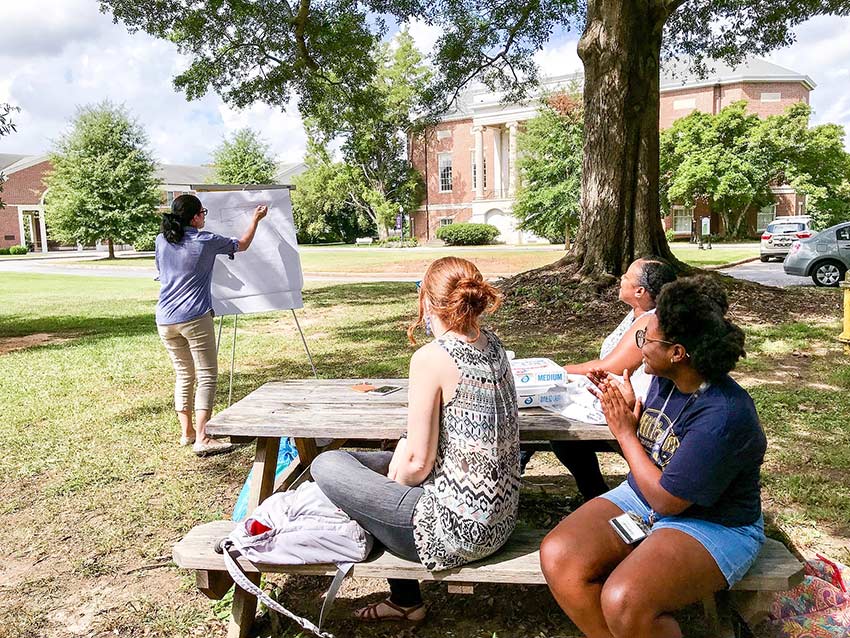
(325, 414)
(330, 411)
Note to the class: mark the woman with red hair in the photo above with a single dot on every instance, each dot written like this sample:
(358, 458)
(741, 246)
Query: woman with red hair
(449, 493)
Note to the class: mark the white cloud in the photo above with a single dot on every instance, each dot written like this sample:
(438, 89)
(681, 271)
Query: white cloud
(106, 62)
(424, 35)
(559, 59)
(822, 51)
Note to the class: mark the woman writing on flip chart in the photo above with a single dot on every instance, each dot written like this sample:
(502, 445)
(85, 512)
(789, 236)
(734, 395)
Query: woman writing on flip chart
(185, 256)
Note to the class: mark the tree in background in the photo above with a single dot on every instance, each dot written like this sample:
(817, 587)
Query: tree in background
(321, 50)
(547, 202)
(245, 159)
(374, 181)
(323, 201)
(730, 161)
(102, 186)
(812, 160)
(6, 126)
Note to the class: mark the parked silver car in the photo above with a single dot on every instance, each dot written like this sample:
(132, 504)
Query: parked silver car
(825, 257)
(780, 234)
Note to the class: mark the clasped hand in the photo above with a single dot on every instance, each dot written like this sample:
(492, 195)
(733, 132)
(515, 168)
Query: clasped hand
(622, 410)
(261, 211)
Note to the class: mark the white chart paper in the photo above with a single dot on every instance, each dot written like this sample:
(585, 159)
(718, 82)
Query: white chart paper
(268, 275)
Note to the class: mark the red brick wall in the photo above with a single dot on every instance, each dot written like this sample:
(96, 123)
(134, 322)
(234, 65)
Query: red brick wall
(25, 186)
(431, 220)
(9, 226)
(710, 99)
(460, 144)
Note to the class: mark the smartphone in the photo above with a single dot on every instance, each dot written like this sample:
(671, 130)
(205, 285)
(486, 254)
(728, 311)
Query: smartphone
(386, 389)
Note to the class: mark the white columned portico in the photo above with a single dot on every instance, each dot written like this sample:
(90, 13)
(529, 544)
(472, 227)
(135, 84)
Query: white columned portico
(478, 134)
(42, 224)
(22, 236)
(512, 147)
(497, 162)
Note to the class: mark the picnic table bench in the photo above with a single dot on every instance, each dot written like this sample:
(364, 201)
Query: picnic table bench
(325, 414)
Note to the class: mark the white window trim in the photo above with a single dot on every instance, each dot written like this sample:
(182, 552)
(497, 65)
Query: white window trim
(444, 134)
(760, 227)
(684, 211)
(770, 97)
(684, 104)
(445, 221)
(440, 167)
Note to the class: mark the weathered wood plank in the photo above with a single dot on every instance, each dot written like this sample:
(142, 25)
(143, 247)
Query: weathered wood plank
(518, 562)
(329, 408)
(265, 464)
(213, 585)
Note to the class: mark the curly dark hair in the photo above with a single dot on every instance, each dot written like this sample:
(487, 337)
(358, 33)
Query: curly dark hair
(654, 273)
(692, 312)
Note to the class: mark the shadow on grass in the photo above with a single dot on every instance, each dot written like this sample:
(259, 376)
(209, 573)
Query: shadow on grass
(365, 294)
(18, 325)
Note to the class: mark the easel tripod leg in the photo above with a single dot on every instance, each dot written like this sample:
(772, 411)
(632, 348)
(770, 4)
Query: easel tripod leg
(232, 360)
(304, 341)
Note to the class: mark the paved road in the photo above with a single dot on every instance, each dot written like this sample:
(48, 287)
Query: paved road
(769, 274)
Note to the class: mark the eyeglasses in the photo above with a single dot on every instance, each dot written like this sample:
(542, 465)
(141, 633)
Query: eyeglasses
(641, 339)
(203, 212)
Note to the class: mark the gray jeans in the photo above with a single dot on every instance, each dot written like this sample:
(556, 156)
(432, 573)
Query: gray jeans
(357, 483)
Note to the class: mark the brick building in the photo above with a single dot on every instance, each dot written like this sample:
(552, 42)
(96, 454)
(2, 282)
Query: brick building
(482, 132)
(22, 220)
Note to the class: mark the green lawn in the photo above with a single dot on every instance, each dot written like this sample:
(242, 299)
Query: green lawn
(492, 261)
(93, 485)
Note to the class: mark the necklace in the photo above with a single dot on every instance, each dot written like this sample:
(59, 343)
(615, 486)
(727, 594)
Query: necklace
(662, 437)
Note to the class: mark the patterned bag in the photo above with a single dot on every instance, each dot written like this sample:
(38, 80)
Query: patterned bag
(819, 607)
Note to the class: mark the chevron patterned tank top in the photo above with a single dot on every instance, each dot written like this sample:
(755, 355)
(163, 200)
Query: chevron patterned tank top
(471, 498)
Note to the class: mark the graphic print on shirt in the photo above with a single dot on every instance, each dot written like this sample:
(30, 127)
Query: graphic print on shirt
(653, 424)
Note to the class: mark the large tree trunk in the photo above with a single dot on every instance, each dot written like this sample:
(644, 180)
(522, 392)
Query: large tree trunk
(620, 215)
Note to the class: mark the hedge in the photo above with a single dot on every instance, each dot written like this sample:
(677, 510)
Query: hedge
(467, 234)
(18, 250)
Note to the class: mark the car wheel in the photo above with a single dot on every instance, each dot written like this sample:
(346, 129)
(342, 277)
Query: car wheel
(828, 273)
(765, 259)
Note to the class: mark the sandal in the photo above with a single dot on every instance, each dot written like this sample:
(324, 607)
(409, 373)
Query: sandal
(369, 613)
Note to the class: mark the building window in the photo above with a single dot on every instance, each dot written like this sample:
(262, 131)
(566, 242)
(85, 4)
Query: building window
(682, 218)
(442, 135)
(801, 208)
(169, 197)
(765, 216)
(446, 221)
(475, 172)
(444, 162)
(684, 103)
(771, 97)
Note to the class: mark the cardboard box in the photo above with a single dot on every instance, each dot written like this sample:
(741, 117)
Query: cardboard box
(534, 373)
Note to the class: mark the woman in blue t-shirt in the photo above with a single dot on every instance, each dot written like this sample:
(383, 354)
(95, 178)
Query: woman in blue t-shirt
(694, 452)
(185, 256)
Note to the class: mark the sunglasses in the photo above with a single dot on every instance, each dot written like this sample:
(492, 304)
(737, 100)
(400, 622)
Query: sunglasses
(641, 339)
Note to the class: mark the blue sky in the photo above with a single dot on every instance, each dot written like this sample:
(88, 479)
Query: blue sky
(57, 54)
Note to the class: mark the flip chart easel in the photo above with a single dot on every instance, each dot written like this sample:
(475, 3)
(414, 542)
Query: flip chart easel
(207, 188)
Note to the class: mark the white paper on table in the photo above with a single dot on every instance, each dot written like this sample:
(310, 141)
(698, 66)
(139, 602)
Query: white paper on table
(268, 275)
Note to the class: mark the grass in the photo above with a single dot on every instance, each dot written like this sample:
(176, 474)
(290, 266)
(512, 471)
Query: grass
(93, 485)
(491, 260)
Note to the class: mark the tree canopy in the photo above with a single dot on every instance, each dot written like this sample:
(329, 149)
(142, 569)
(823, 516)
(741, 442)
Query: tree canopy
(244, 159)
(547, 202)
(102, 185)
(320, 53)
(374, 177)
(732, 159)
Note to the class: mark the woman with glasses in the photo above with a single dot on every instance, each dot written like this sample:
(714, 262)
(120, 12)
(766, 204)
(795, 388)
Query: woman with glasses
(185, 256)
(687, 522)
(639, 287)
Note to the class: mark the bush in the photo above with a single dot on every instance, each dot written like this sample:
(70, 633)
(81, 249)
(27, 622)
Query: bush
(670, 235)
(397, 242)
(145, 243)
(4, 251)
(18, 250)
(467, 234)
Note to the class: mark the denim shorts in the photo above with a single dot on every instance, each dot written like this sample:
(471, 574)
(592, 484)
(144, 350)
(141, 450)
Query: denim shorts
(734, 549)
